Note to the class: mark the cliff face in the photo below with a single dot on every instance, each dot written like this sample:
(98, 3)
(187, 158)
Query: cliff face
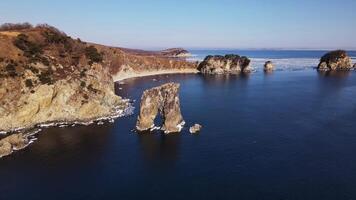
(126, 63)
(85, 95)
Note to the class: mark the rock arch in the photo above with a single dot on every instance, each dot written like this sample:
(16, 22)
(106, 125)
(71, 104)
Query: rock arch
(163, 100)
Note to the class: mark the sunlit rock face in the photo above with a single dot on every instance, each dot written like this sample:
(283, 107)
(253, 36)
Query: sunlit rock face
(163, 100)
(82, 95)
(228, 64)
(335, 61)
(12, 143)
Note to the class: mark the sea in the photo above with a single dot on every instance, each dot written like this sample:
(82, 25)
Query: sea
(289, 134)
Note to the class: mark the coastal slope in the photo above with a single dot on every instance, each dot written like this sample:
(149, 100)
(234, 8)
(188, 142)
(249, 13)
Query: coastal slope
(47, 76)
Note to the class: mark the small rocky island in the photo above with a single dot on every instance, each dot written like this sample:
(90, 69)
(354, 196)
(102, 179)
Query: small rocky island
(335, 61)
(163, 100)
(268, 66)
(228, 64)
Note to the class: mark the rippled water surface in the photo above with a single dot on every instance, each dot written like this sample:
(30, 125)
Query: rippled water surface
(285, 135)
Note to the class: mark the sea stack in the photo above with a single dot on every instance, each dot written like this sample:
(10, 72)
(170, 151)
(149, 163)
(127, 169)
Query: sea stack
(228, 64)
(268, 67)
(164, 100)
(195, 129)
(335, 61)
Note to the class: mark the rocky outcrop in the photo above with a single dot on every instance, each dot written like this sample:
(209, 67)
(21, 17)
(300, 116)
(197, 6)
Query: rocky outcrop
(335, 61)
(38, 96)
(163, 100)
(233, 64)
(268, 67)
(176, 52)
(12, 143)
(195, 129)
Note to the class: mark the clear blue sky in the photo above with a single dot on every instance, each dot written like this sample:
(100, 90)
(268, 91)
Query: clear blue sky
(196, 24)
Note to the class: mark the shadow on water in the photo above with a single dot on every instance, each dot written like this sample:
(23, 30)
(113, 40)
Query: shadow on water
(56, 145)
(159, 149)
(220, 79)
(335, 74)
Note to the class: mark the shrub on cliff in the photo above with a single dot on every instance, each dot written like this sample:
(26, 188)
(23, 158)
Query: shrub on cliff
(29, 48)
(93, 55)
(333, 56)
(12, 27)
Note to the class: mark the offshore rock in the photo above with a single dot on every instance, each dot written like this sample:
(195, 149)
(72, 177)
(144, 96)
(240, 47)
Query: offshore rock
(335, 61)
(233, 64)
(163, 100)
(268, 67)
(195, 129)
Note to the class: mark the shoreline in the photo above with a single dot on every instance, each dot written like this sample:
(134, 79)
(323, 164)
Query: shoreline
(124, 76)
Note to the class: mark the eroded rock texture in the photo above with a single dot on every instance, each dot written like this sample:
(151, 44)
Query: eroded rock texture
(335, 61)
(11, 143)
(233, 64)
(163, 100)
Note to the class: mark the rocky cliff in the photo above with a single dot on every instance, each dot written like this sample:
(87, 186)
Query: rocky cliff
(335, 60)
(233, 64)
(47, 76)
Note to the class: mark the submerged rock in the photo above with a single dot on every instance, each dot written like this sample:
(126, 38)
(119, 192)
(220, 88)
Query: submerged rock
(11, 143)
(195, 129)
(163, 100)
(233, 64)
(268, 67)
(335, 60)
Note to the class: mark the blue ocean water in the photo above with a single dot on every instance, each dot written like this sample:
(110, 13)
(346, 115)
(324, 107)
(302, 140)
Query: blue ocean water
(290, 134)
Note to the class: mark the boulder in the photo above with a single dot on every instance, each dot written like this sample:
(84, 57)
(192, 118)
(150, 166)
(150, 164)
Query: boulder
(228, 64)
(163, 100)
(335, 61)
(195, 129)
(268, 67)
(11, 143)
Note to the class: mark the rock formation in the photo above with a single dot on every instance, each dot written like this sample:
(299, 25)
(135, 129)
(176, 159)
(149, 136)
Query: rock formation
(335, 60)
(233, 64)
(45, 76)
(176, 52)
(268, 67)
(163, 100)
(85, 95)
(195, 129)
(11, 143)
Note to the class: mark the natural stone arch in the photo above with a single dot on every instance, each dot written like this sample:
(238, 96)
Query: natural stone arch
(163, 100)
